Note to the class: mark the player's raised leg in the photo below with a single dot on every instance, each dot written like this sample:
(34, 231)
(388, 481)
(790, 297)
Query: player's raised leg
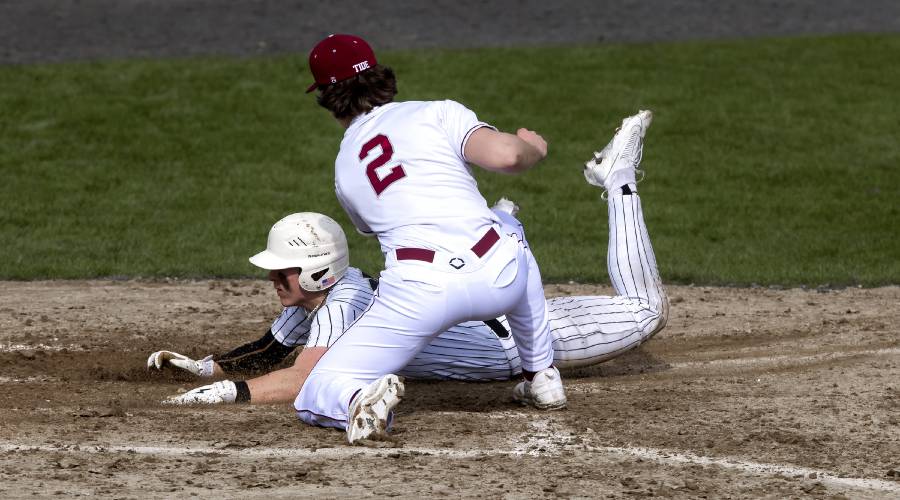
(590, 330)
(630, 259)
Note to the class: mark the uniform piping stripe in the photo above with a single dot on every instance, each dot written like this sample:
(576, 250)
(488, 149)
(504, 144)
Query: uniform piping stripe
(637, 242)
(628, 249)
(462, 147)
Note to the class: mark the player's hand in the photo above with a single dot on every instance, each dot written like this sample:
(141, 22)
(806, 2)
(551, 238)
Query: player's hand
(534, 139)
(214, 394)
(201, 368)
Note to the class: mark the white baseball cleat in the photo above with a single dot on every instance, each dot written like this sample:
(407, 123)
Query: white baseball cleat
(370, 411)
(623, 151)
(544, 392)
(507, 205)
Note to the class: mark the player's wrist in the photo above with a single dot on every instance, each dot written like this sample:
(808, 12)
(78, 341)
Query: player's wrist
(242, 392)
(206, 367)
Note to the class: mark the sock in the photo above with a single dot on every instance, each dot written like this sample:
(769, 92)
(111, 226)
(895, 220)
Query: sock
(529, 376)
(620, 178)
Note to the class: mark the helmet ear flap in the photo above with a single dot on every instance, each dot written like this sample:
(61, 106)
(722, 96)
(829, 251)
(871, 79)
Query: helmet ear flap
(313, 281)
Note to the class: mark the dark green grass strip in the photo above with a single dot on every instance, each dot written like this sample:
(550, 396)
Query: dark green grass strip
(770, 162)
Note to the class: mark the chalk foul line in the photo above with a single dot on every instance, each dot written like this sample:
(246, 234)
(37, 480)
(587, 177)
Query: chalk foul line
(786, 359)
(755, 468)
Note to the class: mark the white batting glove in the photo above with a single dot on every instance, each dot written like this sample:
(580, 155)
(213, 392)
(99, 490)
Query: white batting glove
(214, 394)
(201, 368)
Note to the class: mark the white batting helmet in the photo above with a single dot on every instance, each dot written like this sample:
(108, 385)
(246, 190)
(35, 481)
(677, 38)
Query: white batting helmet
(313, 242)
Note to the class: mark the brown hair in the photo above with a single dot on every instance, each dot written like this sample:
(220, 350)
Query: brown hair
(358, 94)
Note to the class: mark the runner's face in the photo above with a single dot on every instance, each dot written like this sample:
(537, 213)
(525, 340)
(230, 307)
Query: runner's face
(287, 286)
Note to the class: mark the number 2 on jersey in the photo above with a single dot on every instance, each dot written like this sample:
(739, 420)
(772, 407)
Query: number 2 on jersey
(379, 184)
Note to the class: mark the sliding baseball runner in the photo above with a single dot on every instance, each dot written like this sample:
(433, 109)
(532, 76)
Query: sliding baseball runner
(585, 330)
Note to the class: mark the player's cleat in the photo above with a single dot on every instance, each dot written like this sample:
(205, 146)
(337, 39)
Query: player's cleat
(623, 152)
(545, 391)
(370, 411)
(592, 166)
(507, 206)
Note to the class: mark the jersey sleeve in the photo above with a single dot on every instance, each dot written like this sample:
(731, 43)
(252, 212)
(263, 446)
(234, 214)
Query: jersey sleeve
(291, 327)
(459, 122)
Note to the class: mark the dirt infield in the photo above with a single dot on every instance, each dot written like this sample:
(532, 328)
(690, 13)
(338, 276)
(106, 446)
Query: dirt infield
(747, 393)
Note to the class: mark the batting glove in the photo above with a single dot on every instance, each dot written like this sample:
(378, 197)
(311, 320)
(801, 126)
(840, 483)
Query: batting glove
(214, 394)
(201, 368)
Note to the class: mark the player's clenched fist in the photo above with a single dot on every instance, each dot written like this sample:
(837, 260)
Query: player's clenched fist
(534, 139)
(200, 368)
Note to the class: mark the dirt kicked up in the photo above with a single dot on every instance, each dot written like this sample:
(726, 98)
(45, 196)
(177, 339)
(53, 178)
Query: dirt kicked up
(747, 393)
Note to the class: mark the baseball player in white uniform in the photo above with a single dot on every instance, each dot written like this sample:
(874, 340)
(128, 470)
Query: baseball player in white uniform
(402, 175)
(584, 330)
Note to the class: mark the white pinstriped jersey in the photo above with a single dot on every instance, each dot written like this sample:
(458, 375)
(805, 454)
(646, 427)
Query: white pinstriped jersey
(347, 299)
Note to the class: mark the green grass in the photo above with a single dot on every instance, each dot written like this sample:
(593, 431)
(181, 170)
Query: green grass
(770, 162)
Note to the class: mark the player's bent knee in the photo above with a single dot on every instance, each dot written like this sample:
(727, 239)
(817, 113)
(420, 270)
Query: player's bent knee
(661, 317)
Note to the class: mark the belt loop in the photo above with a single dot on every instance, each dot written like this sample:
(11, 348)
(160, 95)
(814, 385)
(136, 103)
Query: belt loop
(486, 243)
